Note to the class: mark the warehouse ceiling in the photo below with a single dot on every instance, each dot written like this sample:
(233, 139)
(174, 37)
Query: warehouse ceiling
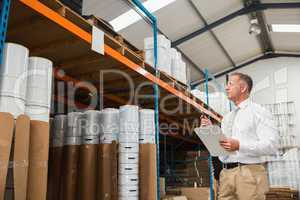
(224, 46)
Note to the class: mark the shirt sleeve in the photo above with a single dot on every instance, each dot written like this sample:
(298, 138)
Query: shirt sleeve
(268, 136)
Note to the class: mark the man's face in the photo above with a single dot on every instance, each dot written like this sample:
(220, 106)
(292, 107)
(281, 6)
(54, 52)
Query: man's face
(234, 88)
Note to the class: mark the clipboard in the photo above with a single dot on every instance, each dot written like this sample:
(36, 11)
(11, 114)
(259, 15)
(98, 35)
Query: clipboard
(210, 136)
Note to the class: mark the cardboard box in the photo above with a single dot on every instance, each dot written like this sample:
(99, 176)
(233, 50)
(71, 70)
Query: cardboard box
(201, 193)
(147, 172)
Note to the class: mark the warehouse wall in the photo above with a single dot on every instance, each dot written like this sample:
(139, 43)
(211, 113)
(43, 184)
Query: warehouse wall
(274, 79)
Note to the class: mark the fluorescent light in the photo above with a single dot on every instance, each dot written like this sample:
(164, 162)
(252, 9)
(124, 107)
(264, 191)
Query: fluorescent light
(131, 16)
(291, 28)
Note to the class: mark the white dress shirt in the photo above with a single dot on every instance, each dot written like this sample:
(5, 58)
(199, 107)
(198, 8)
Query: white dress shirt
(255, 129)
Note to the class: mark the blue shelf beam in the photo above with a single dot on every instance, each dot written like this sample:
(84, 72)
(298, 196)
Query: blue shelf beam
(5, 6)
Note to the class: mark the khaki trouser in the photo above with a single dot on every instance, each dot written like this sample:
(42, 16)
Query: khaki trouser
(245, 182)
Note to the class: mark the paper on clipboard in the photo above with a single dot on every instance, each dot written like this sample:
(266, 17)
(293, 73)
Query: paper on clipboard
(210, 136)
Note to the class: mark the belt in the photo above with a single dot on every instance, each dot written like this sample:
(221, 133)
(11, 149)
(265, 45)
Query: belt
(233, 165)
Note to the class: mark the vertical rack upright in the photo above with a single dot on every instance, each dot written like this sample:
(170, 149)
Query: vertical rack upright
(5, 6)
(156, 103)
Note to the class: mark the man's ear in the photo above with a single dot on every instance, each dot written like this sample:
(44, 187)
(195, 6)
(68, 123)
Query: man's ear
(244, 87)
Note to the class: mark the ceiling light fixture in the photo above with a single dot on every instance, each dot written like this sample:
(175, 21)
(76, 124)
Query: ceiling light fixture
(288, 28)
(254, 28)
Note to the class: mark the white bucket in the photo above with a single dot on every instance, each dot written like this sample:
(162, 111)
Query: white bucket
(37, 113)
(128, 169)
(129, 138)
(74, 119)
(13, 86)
(129, 147)
(38, 97)
(12, 105)
(128, 191)
(132, 179)
(15, 60)
(147, 139)
(128, 158)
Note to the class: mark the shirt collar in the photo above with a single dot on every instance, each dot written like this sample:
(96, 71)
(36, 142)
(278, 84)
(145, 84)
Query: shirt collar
(244, 103)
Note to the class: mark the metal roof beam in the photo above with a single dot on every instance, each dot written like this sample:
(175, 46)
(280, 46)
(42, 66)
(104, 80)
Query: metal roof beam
(265, 56)
(243, 11)
(213, 34)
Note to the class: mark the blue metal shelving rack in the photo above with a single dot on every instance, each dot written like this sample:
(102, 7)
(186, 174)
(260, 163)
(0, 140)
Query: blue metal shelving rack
(154, 27)
(5, 6)
(211, 177)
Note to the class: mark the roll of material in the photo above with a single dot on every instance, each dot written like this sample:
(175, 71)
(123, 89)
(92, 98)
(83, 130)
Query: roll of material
(38, 160)
(132, 179)
(129, 118)
(55, 173)
(147, 121)
(74, 119)
(128, 158)
(128, 191)
(128, 148)
(107, 172)
(13, 71)
(147, 172)
(128, 169)
(13, 105)
(37, 113)
(60, 123)
(59, 129)
(87, 183)
(108, 138)
(74, 133)
(147, 139)
(91, 123)
(39, 82)
(70, 172)
(109, 121)
(129, 138)
(129, 198)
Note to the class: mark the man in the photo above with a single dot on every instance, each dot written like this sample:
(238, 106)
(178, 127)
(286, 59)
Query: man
(250, 134)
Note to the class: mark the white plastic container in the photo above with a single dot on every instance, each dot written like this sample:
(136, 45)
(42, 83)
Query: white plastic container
(37, 113)
(129, 137)
(162, 41)
(12, 105)
(129, 118)
(128, 169)
(128, 158)
(164, 60)
(128, 147)
(128, 191)
(132, 179)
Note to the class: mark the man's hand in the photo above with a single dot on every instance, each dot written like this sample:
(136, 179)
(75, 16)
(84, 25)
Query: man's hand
(205, 121)
(230, 144)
